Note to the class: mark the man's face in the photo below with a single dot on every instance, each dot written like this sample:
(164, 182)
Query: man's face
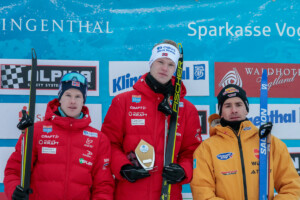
(162, 70)
(234, 109)
(71, 102)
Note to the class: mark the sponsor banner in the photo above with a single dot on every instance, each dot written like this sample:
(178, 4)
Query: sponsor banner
(4, 155)
(203, 112)
(282, 78)
(295, 155)
(124, 74)
(13, 114)
(285, 119)
(16, 75)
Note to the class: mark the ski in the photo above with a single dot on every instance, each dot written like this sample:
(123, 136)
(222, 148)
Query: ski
(170, 148)
(264, 143)
(28, 133)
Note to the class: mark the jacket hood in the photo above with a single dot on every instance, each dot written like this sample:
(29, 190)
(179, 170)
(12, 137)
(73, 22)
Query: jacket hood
(142, 87)
(51, 115)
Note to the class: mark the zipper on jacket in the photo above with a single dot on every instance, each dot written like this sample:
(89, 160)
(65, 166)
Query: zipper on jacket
(69, 156)
(243, 167)
(166, 135)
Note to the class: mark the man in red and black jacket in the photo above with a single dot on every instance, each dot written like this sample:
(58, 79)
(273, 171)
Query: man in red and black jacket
(70, 159)
(142, 114)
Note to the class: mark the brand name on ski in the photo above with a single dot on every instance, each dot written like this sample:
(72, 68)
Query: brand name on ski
(275, 117)
(177, 87)
(263, 115)
(263, 146)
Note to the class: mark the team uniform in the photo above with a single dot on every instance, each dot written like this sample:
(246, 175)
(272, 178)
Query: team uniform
(221, 160)
(133, 116)
(71, 160)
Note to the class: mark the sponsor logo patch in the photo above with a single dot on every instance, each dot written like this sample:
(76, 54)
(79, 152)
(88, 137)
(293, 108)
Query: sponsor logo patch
(229, 172)
(90, 134)
(256, 153)
(88, 154)
(247, 128)
(88, 143)
(82, 161)
(225, 156)
(47, 129)
(48, 142)
(230, 90)
(47, 150)
(106, 163)
(76, 83)
(138, 107)
(138, 122)
(136, 98)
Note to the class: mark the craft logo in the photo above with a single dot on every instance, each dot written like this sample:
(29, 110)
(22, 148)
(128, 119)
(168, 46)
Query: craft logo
(225, 156)
(48, 77)
(164, 54)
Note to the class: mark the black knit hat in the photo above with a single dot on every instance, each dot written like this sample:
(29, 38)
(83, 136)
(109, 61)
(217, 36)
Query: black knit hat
(73, 83)
(230, 91)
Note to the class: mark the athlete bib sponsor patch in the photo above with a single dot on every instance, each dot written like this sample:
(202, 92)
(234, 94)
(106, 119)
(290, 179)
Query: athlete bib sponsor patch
(47, 150)
(225, 156)
(138, 122)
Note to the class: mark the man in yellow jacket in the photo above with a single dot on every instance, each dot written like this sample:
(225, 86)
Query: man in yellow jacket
(226, 166)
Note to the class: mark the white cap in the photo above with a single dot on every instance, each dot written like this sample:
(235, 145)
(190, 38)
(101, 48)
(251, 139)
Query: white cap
(164, 51)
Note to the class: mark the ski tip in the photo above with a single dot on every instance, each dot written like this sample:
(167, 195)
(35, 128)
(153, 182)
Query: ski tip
(180, 49)
(33, 53)
(265, 73)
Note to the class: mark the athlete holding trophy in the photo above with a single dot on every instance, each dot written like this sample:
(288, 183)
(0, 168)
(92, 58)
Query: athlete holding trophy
(137, 125)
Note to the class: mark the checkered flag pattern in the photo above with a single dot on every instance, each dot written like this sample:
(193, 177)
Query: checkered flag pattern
(11, 76)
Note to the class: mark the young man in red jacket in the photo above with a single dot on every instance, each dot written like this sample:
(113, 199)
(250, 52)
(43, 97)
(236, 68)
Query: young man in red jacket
(70, 159)
(142, 114)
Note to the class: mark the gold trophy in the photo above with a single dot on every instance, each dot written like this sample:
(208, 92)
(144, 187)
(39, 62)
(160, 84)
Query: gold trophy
(145, 154)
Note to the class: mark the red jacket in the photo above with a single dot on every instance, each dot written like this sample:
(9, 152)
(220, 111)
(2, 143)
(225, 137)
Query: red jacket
(70, 160)
(133, 116)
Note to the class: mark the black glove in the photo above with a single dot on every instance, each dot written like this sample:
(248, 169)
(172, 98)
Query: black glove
(174, 173)
(132, 173)
(265, 129)
(19, 194)
(25, 122)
